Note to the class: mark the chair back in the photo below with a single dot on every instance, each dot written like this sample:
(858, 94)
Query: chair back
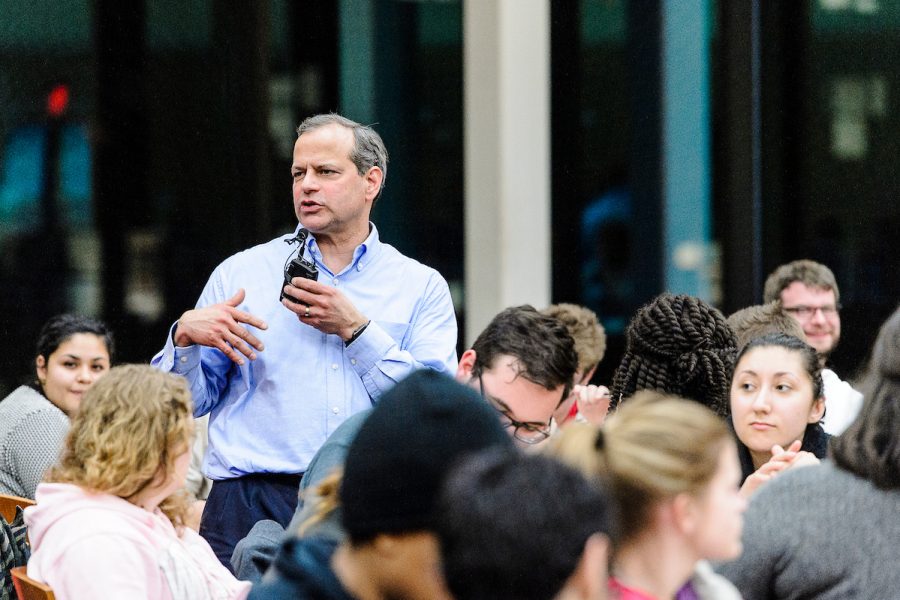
(29, 589)
(8, 505)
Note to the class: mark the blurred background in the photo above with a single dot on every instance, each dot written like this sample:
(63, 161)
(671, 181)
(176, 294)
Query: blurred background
(143, 141)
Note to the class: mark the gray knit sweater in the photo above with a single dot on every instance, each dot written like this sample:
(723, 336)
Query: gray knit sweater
(819, 532)
(32, 432)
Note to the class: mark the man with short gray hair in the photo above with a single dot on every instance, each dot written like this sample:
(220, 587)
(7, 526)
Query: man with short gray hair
(278, 376)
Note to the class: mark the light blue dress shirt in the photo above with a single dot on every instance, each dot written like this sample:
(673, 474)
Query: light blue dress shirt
(272, 414)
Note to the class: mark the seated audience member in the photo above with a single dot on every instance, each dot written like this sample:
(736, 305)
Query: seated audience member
(831, 531)
(776, 406)
(677, 345)
(72, 353)
(589, 401)
(673, 474)
(808, 292)
(761, 319)
(522, 527)
(393, 471)
(523, 364)
(109, 517)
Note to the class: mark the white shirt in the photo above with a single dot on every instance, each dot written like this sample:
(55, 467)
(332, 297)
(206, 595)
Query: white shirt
(842, 403)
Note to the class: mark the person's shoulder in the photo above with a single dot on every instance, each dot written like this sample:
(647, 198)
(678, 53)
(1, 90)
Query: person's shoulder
(709, 584)
(26, 407)
(302, 569)
(267, 257)
(392, 258)
(806, 481)
(836, 388)
(347, 430)
(276, 245)
(23, 396)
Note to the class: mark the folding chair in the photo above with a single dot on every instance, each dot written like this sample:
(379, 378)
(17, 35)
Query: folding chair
(8, 506)
(29, 589)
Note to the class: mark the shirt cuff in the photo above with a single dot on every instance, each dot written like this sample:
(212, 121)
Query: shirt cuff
(186, 358)
(370, 347)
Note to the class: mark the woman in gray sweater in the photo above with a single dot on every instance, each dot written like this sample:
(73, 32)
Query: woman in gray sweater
(832, 530)
(72, 353)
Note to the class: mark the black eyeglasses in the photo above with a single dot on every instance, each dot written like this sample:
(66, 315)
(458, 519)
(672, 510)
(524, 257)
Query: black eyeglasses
(808, 312)
(528, 433)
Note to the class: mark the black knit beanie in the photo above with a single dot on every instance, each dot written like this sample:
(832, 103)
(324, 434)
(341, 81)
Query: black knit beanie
(397, 462)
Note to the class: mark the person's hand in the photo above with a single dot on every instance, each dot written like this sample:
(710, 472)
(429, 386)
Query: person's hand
(782, 459)
(324, 307)
(219, 326)
(593, 402)
(804, 459)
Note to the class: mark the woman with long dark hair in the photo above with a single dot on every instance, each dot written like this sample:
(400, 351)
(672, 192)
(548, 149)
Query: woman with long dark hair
(72, 353)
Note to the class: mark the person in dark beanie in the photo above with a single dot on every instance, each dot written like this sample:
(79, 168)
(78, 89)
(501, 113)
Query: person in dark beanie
(394, 470)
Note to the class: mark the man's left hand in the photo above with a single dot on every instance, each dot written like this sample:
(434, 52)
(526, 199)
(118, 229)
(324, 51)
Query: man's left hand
(324, 307)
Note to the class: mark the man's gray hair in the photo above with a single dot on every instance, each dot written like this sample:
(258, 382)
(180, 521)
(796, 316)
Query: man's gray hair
(368, 150)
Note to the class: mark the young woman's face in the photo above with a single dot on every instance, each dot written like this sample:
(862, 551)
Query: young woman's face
(718, 511)
(772, 399)
(71, 369)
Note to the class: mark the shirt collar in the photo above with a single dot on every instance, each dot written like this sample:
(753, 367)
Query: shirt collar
(363, 255)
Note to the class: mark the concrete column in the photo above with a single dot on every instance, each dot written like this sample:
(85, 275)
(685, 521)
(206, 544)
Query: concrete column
(506, 45)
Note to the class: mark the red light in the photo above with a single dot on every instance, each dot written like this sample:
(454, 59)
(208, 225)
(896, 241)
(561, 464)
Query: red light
(58, 101)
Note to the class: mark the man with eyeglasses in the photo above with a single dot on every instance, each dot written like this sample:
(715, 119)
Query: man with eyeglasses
(523, 364)
(809, 293)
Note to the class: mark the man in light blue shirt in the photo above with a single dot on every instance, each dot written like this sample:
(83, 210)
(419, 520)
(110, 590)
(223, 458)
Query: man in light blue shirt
(279, 377)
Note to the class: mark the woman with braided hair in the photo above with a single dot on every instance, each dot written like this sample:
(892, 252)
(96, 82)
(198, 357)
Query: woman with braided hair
(679, 345)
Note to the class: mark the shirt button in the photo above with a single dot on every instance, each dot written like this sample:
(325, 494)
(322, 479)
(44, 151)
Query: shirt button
(335, 410)
(183, 359)
(352, 361)
(359, 267)
(335, 281)
(334, 367)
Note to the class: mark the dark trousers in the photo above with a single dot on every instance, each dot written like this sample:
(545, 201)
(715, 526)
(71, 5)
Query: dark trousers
(235, 505)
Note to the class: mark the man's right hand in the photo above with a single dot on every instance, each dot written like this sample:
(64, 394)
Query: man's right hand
(219, 326)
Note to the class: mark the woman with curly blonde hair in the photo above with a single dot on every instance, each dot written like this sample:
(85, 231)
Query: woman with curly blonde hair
(109, 520)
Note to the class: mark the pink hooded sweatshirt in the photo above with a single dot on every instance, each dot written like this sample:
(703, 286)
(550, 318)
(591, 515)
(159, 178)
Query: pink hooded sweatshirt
(100, 546)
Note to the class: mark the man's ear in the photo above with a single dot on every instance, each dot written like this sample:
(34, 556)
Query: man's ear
(466, 366)
(589, 580)
(374, 177)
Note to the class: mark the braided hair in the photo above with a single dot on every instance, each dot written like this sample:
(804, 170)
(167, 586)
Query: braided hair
(678, 345)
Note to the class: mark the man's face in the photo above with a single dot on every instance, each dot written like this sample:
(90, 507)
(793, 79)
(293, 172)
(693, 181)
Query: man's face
(816, 311)
(331, 198)
(514, 396)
